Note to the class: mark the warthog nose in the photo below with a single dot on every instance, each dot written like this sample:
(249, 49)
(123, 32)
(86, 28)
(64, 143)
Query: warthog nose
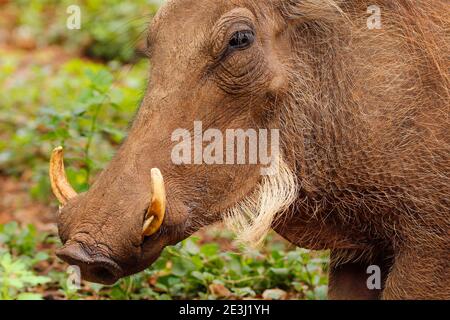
(94, 268)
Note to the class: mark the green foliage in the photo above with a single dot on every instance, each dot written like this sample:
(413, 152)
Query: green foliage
(110, 28)
(189, 270)
(18, 255)
(15, 276)
(86, 108)
(21, 241)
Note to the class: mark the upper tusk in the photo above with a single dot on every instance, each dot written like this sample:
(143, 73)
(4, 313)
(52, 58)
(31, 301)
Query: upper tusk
(58, 179)
(157, 209)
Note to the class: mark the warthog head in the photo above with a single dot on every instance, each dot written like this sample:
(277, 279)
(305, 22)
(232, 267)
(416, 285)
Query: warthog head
(224, 64)
(350, 110)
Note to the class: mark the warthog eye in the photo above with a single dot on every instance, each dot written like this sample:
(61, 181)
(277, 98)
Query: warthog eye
(242, 40)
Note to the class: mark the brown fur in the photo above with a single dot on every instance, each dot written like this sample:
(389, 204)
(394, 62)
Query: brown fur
(364, 122)
(376, 155)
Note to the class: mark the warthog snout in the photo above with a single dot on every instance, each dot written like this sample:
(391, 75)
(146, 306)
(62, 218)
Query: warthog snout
(64, 192)
(81, 249)
(94, 267)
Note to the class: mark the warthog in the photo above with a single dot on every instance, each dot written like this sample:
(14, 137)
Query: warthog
(364, 157)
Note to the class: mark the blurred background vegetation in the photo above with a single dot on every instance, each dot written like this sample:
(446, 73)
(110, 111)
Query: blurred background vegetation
(80, 89)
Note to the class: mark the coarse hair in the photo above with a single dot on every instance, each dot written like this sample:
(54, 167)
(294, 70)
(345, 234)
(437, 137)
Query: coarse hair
(252, 218)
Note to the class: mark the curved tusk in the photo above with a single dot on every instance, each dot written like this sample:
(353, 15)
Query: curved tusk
(157, 209)
(58, 179)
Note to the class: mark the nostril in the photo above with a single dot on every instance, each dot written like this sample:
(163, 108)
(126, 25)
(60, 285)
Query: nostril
(103, 274)
(73, 254)
(97, 268)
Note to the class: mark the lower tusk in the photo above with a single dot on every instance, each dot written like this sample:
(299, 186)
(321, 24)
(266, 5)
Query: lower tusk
(157, 209)
(148, 223)
(58, 178)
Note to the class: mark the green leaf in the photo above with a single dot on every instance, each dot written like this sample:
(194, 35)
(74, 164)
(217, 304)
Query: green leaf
(209, 249)
(29, 296)
(280, 271)
(181, 267)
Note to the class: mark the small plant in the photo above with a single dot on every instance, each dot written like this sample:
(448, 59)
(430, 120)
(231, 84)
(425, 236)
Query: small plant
(16, 277)
(18, 256)
(189, 270)
(22, 241)
(86, 108)
(192, 270)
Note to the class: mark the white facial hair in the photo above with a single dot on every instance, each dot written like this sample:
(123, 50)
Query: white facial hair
(253, 217)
